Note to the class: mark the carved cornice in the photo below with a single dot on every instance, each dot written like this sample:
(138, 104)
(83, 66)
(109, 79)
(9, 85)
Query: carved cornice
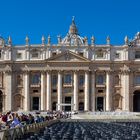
(109, 71)
(8, 69)
(76, 71)
(125, 72)
(43, 72)
(49, 71)
(26, 72)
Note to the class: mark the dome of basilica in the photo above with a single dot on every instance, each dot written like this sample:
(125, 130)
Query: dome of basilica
(72, 38)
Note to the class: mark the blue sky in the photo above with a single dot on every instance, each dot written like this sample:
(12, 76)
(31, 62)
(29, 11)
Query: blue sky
(100, 18)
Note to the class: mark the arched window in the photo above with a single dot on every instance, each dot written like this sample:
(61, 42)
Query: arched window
(67, 79)
(100, 79)
(54, 80)
(81, 80)
(35, 78)
(137, 79)
(100, 53)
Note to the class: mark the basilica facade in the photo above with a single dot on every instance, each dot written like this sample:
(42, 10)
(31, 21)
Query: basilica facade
(74, 74)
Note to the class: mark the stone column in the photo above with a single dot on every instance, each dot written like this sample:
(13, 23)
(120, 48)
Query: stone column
(86, 102)
(93, 91)
(59, 98)
(75, 91)
(43, 90)
(125, 86)
(26, 92)
(48, 91)
(108, 91)
(8, 90)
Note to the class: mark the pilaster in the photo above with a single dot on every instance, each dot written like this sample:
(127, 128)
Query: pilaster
(48, 90)
(93, 91)
(75, 91)
(125, 90)
(26, 91)
(59, 98)
(43, 90)
(8, 90)
(86, 102)
(108, 91)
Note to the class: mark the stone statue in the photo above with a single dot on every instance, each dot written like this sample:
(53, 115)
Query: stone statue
(108, 40)
(27, 41)
(49, 40)
(92, 40)
(43, 40)
(9, 41)
(59, 39)
(126, 40)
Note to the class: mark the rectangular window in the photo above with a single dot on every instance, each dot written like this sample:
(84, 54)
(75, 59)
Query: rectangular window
(35, 55)
(54, 53)
(137, 80)
(81, 80)
(35, 78)
(81, 91)
(54, 90)
(35, 91)
(54, 80)
(81, 53)
(67, 79)
(100, 79)
(117, 55)
(19, 55)
(100, 91)
(99, 54)
(137, 54)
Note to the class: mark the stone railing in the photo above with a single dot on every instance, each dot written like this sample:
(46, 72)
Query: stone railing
(18, 132)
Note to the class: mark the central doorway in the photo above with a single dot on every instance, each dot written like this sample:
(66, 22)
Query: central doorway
(136, 101)
(68, 101)
(54, 105)
(35, 105)
(100, 103)
(81, 106)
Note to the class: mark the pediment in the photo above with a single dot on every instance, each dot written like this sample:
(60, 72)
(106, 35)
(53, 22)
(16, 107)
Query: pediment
(68, 56)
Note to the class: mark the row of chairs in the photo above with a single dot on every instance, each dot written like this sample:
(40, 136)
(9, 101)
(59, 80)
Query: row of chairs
(88, 131)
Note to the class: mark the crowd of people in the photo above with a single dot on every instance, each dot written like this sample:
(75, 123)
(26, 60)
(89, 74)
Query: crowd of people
(18, 119)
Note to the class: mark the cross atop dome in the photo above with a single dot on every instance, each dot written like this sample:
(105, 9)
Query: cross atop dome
(73, 29)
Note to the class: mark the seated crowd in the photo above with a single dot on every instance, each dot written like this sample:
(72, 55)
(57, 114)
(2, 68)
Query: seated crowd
(16, 119)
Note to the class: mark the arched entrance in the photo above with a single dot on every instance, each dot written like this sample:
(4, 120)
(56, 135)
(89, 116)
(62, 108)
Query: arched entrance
(54, 106)
(81, 106)
(1, 101)
(136, 101)
(100, 103)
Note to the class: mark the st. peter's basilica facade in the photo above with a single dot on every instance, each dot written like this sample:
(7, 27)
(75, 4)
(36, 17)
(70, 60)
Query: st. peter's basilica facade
(70, 75)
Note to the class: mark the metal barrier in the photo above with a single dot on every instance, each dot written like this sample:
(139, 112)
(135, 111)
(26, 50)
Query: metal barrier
(16, 133)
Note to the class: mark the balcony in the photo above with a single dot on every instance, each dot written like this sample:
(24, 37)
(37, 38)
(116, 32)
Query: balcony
(67, 85)
(100, 85)
(35, 85)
